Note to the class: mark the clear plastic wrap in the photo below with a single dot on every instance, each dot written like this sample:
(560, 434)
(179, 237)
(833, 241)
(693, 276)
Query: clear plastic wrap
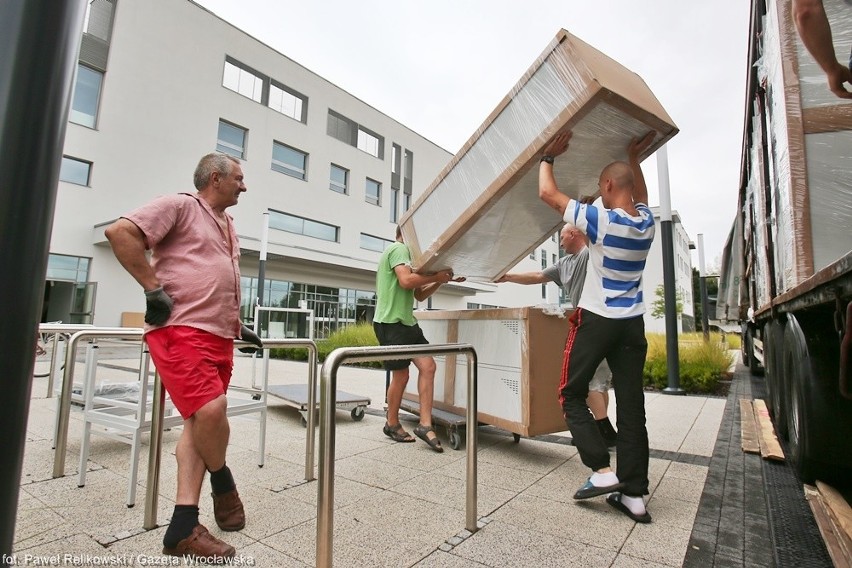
(482, 214)
(810, 155)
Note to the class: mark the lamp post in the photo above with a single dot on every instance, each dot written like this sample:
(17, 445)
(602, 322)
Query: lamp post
(261, 270)
(672, 355)
(39, 40)
(702, 282)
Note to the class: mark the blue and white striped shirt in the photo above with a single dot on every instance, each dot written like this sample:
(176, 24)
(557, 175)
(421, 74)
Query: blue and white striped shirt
(618, 247)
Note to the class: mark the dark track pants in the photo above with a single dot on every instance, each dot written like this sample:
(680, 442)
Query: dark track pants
(592, 338)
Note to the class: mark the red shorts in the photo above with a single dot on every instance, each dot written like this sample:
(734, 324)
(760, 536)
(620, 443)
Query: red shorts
(194, 365)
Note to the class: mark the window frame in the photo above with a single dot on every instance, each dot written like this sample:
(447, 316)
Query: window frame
(65, 159)
(73, 112)
(224, 147)
(331, 182)
(304, 222)
(287, 168)
(367, 197)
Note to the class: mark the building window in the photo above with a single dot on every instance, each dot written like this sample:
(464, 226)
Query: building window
(532, 255)
(303, 226)
(553, 257)
(232, 139)
(333, 308)
(378, 244)
(243, 80)
(256, 86)
(396, 166)
(394, 205)
(87, 95)
(339, 179)
(67, 268)
(76, 171)
(543, 259)
(368, 142)
(289, 161)
(406, 201)
(408, 174)
(287, 102)
(374, 192)
(352, 133)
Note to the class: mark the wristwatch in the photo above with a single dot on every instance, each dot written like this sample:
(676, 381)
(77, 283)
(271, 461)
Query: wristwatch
(548, 159)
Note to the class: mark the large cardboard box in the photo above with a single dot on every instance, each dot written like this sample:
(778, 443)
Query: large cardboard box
(519, 352)
(482, 214)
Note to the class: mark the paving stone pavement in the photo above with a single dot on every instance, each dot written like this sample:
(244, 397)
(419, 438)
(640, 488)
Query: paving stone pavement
(403, 505)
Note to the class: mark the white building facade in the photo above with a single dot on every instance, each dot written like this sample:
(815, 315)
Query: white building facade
(161, 83)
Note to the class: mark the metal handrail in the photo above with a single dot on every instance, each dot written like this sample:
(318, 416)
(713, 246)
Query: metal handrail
(65, 330)
(153, 480)
(328, 403)
(68, 384)
(91, 332)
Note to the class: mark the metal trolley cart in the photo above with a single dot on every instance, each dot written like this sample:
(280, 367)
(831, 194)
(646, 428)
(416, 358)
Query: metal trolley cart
(454, 424)
(297, 397)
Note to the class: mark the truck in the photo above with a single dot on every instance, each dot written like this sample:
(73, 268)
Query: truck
(786, 273)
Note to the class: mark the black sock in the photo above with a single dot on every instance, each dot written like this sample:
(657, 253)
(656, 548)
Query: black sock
(184, 519)
(222, 481)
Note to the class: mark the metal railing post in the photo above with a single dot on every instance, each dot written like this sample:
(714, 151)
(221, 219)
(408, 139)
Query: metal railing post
(328, 393)
(152, 481)
(472, 420)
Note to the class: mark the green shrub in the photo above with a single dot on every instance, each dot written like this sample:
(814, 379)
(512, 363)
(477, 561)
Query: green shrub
(356, 335)
(701, 364)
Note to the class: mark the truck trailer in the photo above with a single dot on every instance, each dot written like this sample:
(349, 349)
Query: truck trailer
(787, 265)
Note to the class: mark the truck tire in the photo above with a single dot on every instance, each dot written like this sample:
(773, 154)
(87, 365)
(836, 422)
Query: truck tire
(776, 386)
(745, 348)
(797, 362)
(819, 444)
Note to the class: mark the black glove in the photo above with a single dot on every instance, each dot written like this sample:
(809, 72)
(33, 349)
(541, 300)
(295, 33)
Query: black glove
(158, 306)
(247, 334)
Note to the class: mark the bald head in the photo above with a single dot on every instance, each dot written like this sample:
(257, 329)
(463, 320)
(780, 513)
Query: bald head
(572, 239)
(621, 175)
(616, 184)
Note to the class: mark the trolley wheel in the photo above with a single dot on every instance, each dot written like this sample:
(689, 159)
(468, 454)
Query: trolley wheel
(516, 438)
(357, 413)
(455, 439)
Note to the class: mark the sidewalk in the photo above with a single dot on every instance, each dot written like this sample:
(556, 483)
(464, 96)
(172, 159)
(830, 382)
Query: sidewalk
(395, 504)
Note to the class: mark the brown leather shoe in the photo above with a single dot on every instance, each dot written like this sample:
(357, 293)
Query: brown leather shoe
(229, 512)
(202, 545)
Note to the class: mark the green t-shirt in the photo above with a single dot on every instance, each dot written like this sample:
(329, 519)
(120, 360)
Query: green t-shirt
(393, 302)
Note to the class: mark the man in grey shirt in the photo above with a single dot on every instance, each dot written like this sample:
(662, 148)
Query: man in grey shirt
(569, 272)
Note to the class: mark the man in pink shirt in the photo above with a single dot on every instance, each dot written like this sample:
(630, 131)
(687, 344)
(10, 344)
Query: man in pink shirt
(192, 293)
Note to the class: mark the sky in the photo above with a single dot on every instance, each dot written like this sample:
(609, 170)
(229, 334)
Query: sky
(441, 66)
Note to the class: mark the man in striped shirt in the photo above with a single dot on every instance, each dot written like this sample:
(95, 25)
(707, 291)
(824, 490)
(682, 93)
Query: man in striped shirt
(608, 323)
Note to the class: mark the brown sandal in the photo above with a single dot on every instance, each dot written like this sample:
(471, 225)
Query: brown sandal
(422, 432)
(396, 433)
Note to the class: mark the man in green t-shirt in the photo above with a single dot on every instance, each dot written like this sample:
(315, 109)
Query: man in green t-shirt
(397, 286)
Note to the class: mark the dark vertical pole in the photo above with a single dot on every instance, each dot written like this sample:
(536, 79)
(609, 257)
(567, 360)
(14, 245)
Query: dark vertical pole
(39, 41)
(669, 289)
(702, 281)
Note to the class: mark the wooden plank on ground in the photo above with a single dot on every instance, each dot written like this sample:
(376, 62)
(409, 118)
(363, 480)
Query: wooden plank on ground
(748, 428)
(841, 513)
(831, 534)
(769, 446)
